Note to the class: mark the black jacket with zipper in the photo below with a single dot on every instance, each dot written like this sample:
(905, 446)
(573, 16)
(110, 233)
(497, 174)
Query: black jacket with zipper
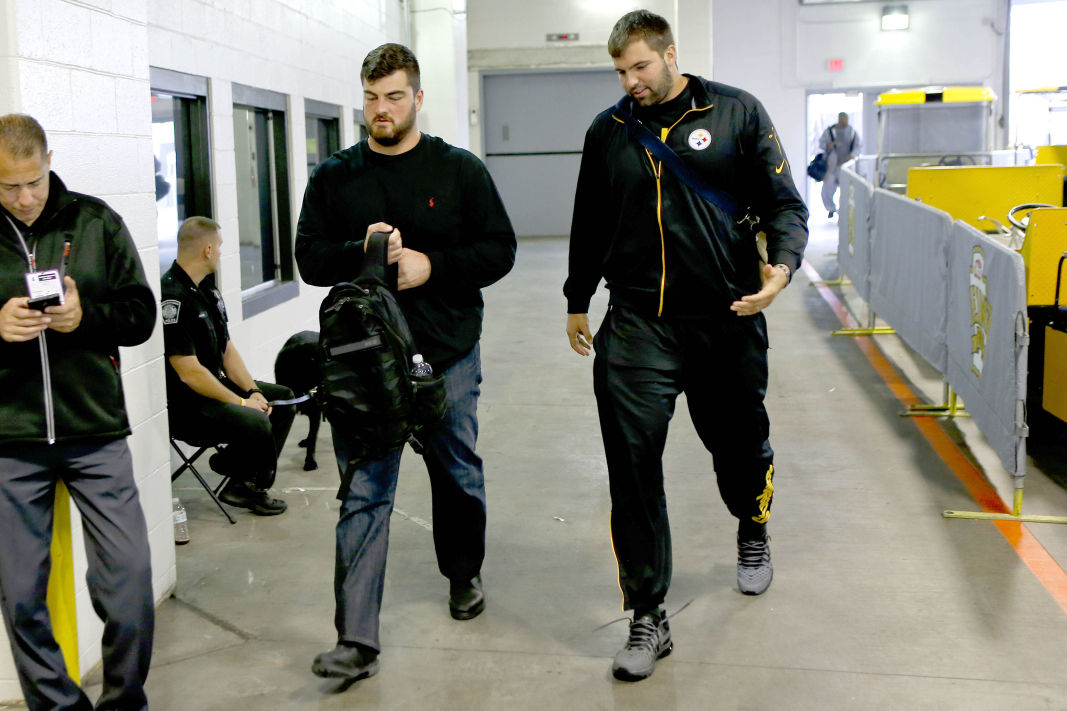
(662, 248)
(118, 309)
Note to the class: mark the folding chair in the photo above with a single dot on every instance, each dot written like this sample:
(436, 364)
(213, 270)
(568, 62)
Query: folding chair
(188, 464)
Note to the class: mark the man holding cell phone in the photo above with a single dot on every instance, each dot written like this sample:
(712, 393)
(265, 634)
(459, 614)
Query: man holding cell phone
(72, 290)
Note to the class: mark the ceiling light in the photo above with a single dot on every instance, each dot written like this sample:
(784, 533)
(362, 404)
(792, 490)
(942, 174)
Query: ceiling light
(895, 17)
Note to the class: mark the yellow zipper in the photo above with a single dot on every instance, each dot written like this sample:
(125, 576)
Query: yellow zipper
(658, 172)
(659, 205)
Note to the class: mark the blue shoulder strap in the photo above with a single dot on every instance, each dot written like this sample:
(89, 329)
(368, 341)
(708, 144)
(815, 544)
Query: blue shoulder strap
(721, 199)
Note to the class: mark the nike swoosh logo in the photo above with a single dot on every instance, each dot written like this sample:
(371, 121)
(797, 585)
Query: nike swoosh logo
(779, 168)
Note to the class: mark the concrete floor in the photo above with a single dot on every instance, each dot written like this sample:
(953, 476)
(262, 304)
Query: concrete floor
(877, 602)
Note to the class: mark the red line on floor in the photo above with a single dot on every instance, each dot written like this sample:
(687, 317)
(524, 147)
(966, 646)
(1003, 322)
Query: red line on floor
(1044, 567)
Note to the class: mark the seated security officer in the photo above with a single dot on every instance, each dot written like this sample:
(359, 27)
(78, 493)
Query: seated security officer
(210, 395)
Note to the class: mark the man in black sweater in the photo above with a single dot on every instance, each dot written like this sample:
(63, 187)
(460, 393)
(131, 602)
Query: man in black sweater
(450, 236)
(686, 296)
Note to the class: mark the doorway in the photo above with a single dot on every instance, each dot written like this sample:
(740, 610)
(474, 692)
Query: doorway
(823, 108)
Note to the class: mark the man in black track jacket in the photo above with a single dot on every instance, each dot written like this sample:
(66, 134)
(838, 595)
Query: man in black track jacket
(687, 292)
(456, 240)
(63, 418)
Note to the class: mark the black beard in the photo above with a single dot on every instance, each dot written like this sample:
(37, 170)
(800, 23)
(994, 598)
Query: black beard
(398, 135)
(389, 140)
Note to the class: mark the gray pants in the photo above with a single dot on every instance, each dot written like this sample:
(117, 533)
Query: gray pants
(100, 480)
(829, 187)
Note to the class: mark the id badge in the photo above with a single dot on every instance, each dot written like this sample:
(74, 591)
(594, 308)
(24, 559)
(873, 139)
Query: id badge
(45, 289)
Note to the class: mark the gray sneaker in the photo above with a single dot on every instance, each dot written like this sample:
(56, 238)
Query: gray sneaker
(650, 640)
(754, 569)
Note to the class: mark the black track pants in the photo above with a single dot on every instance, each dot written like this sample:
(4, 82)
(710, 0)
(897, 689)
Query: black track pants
(641, 366)
(255, 440)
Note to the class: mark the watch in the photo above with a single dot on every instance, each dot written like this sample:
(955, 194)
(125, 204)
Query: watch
(254, 390)
(788, 272)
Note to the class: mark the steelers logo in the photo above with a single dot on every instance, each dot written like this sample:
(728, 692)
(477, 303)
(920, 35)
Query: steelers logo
(699, 139)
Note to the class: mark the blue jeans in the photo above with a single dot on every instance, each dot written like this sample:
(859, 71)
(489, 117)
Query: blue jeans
(458, 492)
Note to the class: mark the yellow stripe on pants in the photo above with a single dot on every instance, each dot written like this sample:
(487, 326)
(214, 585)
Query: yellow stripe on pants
(60, 597)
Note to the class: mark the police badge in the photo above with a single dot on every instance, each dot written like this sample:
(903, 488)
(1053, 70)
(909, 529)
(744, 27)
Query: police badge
(171, 308)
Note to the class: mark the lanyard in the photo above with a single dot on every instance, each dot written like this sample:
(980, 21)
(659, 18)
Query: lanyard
(31, 255)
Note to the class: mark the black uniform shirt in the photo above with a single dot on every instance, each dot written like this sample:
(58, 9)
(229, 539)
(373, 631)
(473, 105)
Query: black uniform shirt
(194, 323)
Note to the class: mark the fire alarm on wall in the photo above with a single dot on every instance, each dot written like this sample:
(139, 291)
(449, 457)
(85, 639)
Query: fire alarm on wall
(562, 37)
(835, 65)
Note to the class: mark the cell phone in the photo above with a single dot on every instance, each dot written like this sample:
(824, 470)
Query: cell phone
(44, 302)
(45, 289)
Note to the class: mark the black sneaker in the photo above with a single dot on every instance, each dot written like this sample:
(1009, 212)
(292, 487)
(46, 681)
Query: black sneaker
(347, 662)
(650, 640)
(244, 496)
(754, 569)
(830, 214)
(466, 599)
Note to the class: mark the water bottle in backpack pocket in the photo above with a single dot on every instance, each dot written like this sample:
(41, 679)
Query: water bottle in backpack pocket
(429, 389)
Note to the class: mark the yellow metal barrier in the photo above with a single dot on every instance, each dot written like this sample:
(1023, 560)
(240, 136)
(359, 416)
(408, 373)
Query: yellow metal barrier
(1046, 240)
(968, 192)
(936, 95)
(60, 596)
(1054, 396)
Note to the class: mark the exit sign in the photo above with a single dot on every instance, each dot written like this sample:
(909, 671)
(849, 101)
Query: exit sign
(835, 65)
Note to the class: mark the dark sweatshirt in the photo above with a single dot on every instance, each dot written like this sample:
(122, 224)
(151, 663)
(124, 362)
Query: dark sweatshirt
(445, 205)
(80, 373)
(662, 249)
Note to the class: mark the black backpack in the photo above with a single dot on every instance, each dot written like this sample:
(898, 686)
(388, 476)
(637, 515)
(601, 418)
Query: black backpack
(367, 389)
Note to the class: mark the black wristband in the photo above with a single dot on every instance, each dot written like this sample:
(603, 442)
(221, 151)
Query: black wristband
(253, 390)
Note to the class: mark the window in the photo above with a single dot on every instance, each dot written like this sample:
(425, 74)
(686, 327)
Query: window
(361, 126)
(265, 234)
(323, 125)
(181, 155)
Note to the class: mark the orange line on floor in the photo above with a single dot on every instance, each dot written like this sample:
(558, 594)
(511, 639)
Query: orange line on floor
(1044, 567)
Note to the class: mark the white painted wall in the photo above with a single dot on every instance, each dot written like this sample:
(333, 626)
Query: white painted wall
(510, 25)
(439, 41)
(509, 35)
(784, 55)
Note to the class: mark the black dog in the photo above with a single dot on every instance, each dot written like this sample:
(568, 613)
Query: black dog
(299, 367)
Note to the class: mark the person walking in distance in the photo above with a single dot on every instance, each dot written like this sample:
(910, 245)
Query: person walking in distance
(840, 143)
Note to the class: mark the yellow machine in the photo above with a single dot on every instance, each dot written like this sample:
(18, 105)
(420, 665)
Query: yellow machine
(982, 196)
(950, 125)
(1051, 155)
(1054, 382)
(1029, 199)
